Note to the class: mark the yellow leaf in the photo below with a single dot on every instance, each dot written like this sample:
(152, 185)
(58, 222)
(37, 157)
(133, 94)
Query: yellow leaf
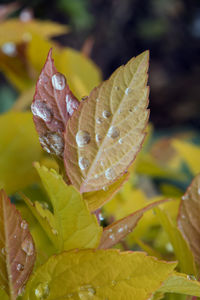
(19, 147)
(189, 153)
(75, 227)
(97, 199)
(106, 132)
(101, 274)
(24, 99)
(181, 284)
(18, 31)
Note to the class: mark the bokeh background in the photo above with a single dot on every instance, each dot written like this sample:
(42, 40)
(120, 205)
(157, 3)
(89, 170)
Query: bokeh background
(113, 31)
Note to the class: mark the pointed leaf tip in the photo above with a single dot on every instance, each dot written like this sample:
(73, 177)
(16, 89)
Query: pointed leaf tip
(105, 134)
(52, 106)
(17, 255)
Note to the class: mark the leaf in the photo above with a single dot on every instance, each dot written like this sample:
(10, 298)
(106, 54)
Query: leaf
(189, 153)
(182, 284)
(52, 106)
(118, 230)
(81, 72)
(188, 219)
(17, 254)
(3, 295)
(99, 274)
(19, 147)
(7, 9)
(24, 99)
(97, 199)
(106, 132)
(18, 31)
(75, 227)
(180, 246)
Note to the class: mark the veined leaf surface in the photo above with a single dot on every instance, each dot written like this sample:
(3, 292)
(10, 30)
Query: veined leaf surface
(75, 226)
(106, 132)
(100, 274)
(17, 255)
(118, 230)
(52, 106)
(188, 219)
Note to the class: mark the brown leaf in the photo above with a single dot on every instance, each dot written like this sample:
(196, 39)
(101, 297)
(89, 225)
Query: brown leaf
(188, 218)
(52, 106)
(118, 230)
(17, 255)
(105, 134)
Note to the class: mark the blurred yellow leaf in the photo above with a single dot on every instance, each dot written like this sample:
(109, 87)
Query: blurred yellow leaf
(106, 132)
(100, 274)
(24, 99)
(19, 148)
(17, 31)
(189, 153)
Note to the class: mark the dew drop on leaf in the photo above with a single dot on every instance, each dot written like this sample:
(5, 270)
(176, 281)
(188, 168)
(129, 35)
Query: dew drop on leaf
(24, 225)
(114, 282)
(82, 138)
(27, 247)
(20, 267)
(105, 188)
(42, 291)
(40, 109)
(120, 141)
(128, 91)
(3, 251)
(98, 120)
(106, 114)
(83, 163)
(98, 138)
(110, 174)
(58, 81)
(113, 132)
(86, 292)
(54, 231)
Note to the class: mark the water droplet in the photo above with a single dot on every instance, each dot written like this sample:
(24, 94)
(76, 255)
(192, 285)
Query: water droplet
(42, 291)
(120, 229)
(183, 216)
(98, 138)
(3, 251)
(102, 163)
(120, 141)
(97, 100)
(71, 105)
(83, 163)
(113, 282)
(169, 247)
(128, 91)
(45, 205)
(10, 276)
(106, 114)
(15, 236)
(58, 81)
(198, 191)
(98, 120)
(119, 111)
(82, 138)
(96, 176)
(113, 132)
(27, 247)
(117, 88)
(24, 225)
(54, 231)
(184, 197)
(20, 267)
(101, 218)
(110, 174)
(105, 188)
(191, 277)
(86, 292)
(9, 49)
(21, 290)
(40, 109)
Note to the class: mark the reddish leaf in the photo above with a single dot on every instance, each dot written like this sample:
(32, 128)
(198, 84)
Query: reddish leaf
(52, 106)
(17, 255)
(188, 219)
(118, 230)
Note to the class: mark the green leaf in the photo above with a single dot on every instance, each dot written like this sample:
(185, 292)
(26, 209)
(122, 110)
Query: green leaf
(181, 247)
(106, 132)
(181, 283)
(75, 227)
(118, 230)
(17, 255)
(100, 274)
(19, 148)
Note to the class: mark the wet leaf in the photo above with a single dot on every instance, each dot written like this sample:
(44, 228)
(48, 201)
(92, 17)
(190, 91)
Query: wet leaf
(118, 230)
(52, 106)
(181, 284)
(97, 199)
(75, 227)
(188, 219)
(18, 31)
(19, 147)
(106, 132)
(17, 254)
(101, 274)
(180, 246)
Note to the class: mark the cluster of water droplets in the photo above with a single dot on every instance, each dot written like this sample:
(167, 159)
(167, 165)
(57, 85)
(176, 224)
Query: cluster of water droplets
(86, 292)
(52, 143)
(42, 290)
(41, 110)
